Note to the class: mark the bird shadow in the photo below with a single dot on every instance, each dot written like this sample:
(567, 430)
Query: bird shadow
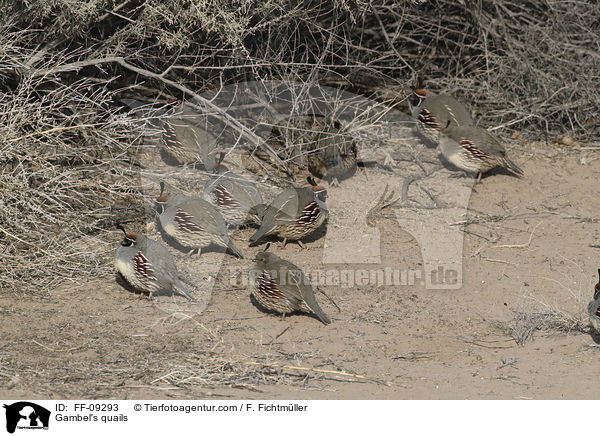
(263, 309)
(120, 280)
(212, 248)
(595, 335)
(316, 235)
(308, 239)
(426, 141)
(494, 171)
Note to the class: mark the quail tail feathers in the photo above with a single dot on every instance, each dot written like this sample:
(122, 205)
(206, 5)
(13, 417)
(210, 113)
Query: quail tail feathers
(311, 302)
(511, 166)
(233, 249)
(262, 231)
(184, 289)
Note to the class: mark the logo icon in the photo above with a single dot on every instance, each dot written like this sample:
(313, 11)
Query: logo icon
(26, 415)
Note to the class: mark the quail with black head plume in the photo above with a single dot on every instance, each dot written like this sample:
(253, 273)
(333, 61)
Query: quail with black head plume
(333, 155)
(315, 142)
(148, 266)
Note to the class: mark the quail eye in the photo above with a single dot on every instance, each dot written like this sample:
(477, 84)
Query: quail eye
(126, 242)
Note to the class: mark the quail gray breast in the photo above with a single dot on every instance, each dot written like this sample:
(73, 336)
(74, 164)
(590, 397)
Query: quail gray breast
(437, 112)
(193, 222)
(148, 266)
(594, 307)
(474, 149)
(281, 286)
(294, 214)
(238, 199)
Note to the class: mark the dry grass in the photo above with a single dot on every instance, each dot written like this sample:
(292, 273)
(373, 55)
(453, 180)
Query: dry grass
(530, 317)
(66, 157)
(214, 371)
(68, 147)
(528, 65)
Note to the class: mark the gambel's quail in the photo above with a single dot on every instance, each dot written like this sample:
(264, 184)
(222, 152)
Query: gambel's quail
(316, 143)
(188, 143)
(594, 307)
(334, 155)
(148, 266)
(437, 112)
(281, 286)
(474, 149)
(237, 198)
(294, 214)
(193, 222)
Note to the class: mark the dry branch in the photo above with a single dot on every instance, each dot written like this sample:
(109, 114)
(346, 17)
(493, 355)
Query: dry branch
(233, 122)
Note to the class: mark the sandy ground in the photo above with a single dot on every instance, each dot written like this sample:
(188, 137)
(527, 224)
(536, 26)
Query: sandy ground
(525, 250)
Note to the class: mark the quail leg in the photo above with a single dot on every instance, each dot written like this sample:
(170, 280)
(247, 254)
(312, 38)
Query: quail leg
(191, 252)
(304, 247)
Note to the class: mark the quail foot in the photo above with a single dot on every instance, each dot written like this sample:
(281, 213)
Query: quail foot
(193, 222)
(474, 149)
(594, 307)
(294, 214)
(281, 286)
(188, 143)
(437, 112)
(237, 198)
(148, 266)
